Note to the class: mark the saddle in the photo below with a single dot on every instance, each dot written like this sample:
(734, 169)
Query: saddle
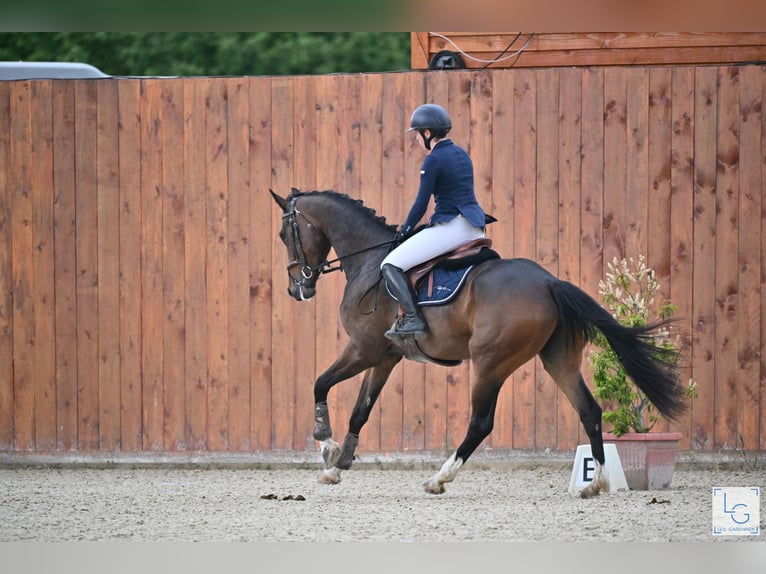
(465, 255)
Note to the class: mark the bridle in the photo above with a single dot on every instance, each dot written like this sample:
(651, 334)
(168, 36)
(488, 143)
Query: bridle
(308, 271)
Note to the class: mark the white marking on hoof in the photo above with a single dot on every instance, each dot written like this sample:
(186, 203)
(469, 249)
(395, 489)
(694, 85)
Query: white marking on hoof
(447, 473)
(330, 476)
(599, 484)
(330, 453)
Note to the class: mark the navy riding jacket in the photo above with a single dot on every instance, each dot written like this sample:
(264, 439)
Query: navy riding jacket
(447, 174)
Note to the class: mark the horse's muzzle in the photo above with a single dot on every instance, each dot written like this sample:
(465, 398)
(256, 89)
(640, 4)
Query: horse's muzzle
(301, 292)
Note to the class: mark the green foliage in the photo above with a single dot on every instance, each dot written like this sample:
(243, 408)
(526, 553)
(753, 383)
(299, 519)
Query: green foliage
(215, 53)
(628, 292)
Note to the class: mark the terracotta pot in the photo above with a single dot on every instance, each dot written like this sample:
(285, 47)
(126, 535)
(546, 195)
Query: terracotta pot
(648, 459)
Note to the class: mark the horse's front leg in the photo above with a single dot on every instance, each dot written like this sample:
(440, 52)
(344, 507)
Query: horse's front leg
(323, 434)
(342, 458)
(348, 364)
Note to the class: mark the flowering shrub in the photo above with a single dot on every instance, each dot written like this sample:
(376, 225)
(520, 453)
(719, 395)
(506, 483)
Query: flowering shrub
(629, 292)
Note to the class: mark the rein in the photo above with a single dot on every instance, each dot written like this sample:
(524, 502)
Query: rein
(321, 266)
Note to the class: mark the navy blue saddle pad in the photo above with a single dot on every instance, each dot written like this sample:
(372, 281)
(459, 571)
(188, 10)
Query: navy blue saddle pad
(446, 284)
(449, 276)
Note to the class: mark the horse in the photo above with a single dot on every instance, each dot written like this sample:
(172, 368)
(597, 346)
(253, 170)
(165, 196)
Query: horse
(507, 312)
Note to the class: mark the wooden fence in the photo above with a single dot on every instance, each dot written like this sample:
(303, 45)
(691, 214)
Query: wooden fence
(538, 50)
(143, 302)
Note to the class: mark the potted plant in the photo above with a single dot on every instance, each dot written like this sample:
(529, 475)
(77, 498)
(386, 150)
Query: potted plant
(648, 458)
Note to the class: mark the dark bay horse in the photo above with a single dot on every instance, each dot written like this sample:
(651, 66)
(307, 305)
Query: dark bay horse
(508, 311)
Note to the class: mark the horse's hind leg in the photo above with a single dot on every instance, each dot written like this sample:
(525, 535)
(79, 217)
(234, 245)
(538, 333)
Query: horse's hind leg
(483, 403)
(563, 364)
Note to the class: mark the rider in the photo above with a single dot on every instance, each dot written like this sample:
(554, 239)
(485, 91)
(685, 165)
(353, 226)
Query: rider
(447, 174)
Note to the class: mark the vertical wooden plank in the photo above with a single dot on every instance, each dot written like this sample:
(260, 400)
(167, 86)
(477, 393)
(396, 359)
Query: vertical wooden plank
(762, 391)
(396, 113)
(437, 91)
(6, 275)
(695, 109)
(304, 134)
(658, 191)
(547, 234)
(459, 378)
(283, 353)
(637, 162)
(87, 263)
(591, 216)
(547, 173)
(726, 232)
(65, 275)
(195, 261)
(239, 263)
(22, 212)
(413, 401)
(370, 174)
(592, 195)
(524, 216)
(173, 272)
(306, 148)
(502, 207)
(350, 182)
(569, 222)
(217, 275)
(262, 212)
(682, 234)
(749, 240)
(108, 266)
(330, 128)
(481, 132)
(615, 162)
(131, 405)
(41, 184)
(481, 141)
(152, 300)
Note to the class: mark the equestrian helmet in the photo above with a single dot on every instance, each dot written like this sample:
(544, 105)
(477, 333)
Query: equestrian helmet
(432, 117)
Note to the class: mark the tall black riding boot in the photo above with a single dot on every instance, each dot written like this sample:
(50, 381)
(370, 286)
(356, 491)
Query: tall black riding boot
(411, 323)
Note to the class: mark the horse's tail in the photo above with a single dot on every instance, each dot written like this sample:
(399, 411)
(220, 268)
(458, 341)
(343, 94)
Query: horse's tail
(651, 367)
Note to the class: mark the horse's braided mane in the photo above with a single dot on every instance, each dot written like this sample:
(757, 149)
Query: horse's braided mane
(356, 204)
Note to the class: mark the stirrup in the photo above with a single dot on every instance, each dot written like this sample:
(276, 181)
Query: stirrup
(395, 333)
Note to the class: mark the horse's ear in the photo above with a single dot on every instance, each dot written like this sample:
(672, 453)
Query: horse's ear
(281, 201)
(296, 191)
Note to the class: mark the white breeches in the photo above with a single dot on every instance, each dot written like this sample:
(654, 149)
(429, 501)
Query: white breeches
(432, 241)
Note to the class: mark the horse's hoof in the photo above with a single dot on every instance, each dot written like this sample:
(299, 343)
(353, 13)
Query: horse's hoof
(432, 486)
(599, 484)
(330, 453)
(330, 476)
(590, 491)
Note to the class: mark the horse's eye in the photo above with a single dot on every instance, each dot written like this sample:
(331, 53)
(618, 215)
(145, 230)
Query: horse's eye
(282, 234)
